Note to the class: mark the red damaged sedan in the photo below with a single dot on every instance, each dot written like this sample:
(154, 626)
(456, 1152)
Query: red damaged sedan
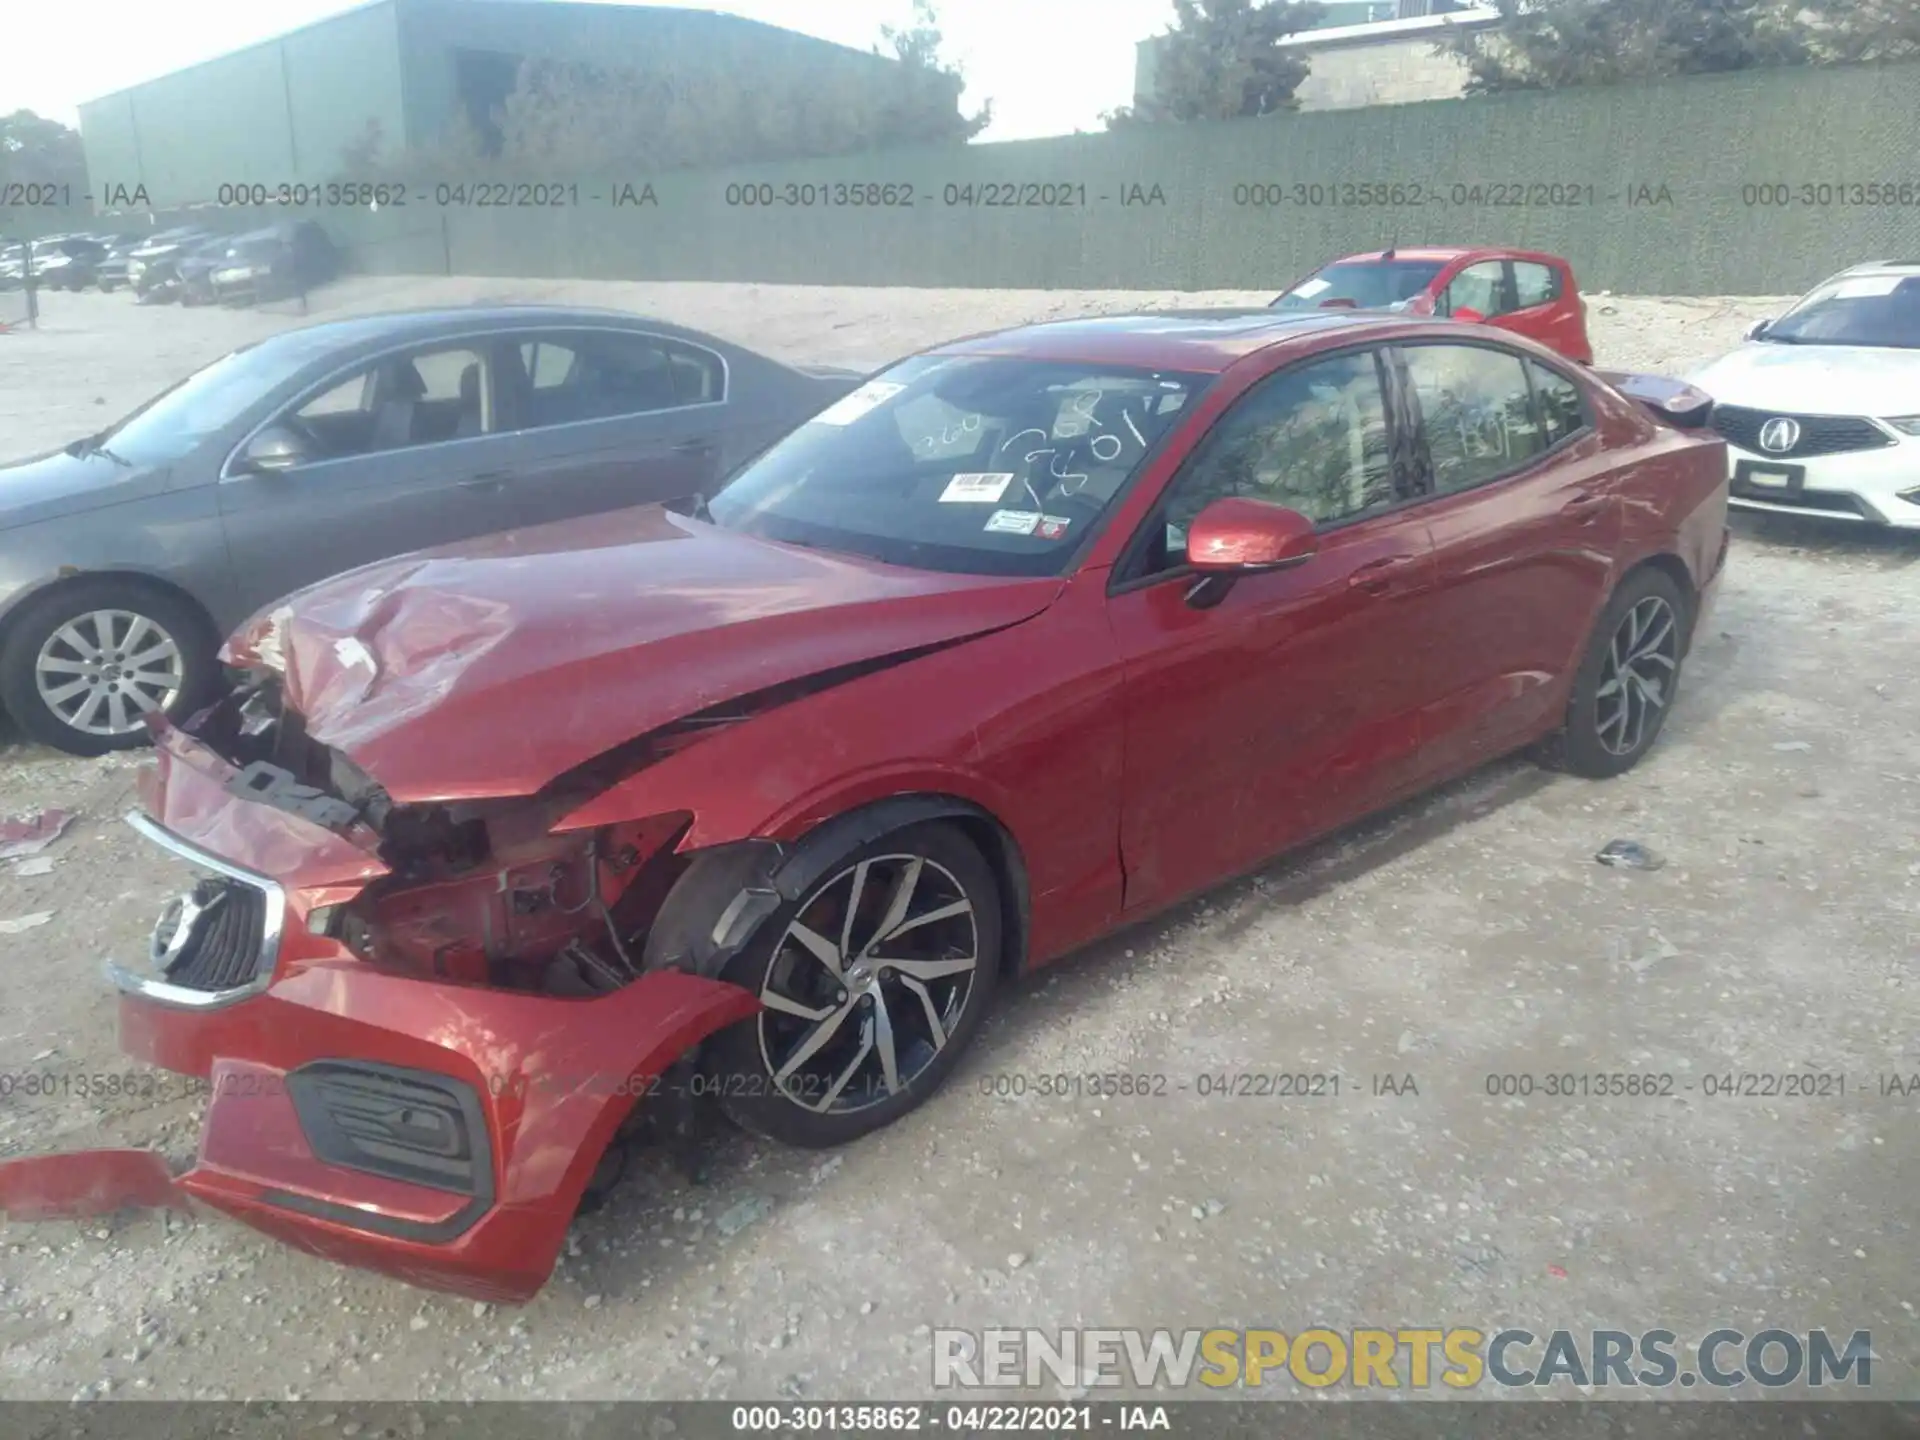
(507, 848)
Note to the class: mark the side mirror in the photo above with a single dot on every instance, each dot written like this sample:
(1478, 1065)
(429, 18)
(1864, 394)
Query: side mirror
(1235, 537)
(274, 449)
(1758, 329)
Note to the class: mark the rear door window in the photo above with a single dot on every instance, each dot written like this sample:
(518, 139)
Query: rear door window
(1534, 284)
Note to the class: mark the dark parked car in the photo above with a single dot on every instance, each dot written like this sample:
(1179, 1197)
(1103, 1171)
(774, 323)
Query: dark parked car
(1027, 639)
(274, 263)
(193, 268)
(67, 262)
(152, 266)
(111, 272)
(125, 556)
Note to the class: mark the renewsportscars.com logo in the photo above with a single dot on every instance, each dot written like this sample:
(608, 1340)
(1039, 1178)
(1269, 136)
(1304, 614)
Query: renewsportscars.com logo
(1459, 1358)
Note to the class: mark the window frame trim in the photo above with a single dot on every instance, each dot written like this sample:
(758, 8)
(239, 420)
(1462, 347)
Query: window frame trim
(484, 340)
(1527, 363)
(1121, 582)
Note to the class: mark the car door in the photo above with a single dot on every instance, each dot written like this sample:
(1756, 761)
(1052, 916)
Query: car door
(1525, 520)
(1291, 705)
(1544, 309)
(1480, 288)
(602, 418)
(403, 459)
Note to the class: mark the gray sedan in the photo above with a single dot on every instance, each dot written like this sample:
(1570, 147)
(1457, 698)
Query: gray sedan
(126, 556)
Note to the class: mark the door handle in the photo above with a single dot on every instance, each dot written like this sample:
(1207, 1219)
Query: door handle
(1584, 508)
(491, 480)
(1378, 576)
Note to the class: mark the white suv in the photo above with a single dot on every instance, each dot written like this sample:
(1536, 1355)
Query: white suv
(1821, 407)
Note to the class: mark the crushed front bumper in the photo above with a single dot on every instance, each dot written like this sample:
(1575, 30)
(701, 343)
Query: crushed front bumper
(440, 1133)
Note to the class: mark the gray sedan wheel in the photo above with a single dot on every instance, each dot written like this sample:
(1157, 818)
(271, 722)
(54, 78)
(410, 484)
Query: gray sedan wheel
(83, 668)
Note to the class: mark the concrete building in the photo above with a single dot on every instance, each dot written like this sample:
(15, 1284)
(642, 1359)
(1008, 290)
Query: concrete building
(286, 110)
(1366, 52)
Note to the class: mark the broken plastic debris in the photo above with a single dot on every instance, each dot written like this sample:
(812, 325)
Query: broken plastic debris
(1556, 1272)
(739, 1217)
(85, 1182)
(1628, 854)
(25, 922)
(30, 834)
(41, 866)
(1789, 745)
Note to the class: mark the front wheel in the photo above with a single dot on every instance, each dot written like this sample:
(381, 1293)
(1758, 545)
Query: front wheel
(83, 667)
(1627, 680)
(872, 984)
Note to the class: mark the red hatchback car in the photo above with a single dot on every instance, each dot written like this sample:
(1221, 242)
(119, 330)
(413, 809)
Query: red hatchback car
(1525, 291)
(509, 848)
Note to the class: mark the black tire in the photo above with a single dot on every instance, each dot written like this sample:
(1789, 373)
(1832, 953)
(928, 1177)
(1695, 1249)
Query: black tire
(737, 1064)
(188, 628)
(1600, 739)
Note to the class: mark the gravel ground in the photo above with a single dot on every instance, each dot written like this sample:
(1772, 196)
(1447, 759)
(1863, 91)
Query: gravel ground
(1469, 934)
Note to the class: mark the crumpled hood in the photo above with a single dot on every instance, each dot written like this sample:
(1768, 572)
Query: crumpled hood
(1816, 379)
(45, 487)
(490, 667)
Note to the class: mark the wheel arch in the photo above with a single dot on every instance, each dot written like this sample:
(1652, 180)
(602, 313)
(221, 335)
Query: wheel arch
(747, 880)
(71, 578)
(1667, 563)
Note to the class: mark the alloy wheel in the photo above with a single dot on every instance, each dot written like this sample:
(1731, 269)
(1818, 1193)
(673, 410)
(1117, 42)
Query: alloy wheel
(104, 670)
(867, 983)
(1636, 682)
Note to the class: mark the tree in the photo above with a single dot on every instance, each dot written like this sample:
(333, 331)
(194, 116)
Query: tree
(1545, 44)
(917, 48)
(37, 151)
(1845, 31)
(1223, 60)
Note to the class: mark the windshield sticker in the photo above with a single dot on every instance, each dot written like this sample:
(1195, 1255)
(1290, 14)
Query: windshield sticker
(1310, 288)
(976, 488)
(849, 408)
(1012, 522)
(1866, 286)
(1051, 527)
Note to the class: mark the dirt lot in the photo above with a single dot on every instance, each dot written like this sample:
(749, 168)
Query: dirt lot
(1470, 935)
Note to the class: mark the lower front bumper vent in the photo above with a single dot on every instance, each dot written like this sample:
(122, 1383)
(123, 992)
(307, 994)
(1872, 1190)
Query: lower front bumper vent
(408, 1125)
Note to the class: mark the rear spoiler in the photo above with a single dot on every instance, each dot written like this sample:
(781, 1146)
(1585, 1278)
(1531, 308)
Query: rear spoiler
(1673, 402)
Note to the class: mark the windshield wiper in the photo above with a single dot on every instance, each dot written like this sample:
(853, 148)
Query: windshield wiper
(95, 444)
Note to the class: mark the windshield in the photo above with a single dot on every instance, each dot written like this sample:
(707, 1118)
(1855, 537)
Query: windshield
(207, 401)
(1368, 284)
(975, 464)
(1876, 310)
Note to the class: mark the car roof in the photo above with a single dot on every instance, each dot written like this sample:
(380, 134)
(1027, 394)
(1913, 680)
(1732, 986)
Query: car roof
(1207, 341)
(1447, 253)
(427, 322)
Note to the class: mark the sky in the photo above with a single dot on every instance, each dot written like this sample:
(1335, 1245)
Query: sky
(1050, 66)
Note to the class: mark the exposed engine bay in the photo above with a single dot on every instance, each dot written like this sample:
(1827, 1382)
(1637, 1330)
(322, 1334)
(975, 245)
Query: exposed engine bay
(479, 893)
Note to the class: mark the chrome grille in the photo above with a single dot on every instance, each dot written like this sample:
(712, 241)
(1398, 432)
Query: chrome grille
(1819, 434)
(211, 938)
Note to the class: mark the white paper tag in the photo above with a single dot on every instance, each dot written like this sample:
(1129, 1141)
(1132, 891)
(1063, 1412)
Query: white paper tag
(849, 408)
(1012, 522)
(1310, 288)
(976, 488)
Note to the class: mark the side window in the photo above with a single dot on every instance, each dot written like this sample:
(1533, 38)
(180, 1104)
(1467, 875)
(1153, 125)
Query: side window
(1557, 401)
(603, 374)
(1476, 410)
(1534, 284)
(1313, 439)
(420, 398)
(1478, 287)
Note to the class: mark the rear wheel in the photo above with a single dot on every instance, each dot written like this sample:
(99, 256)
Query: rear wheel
(872, 985)
(1628, 679)
(83, 667)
